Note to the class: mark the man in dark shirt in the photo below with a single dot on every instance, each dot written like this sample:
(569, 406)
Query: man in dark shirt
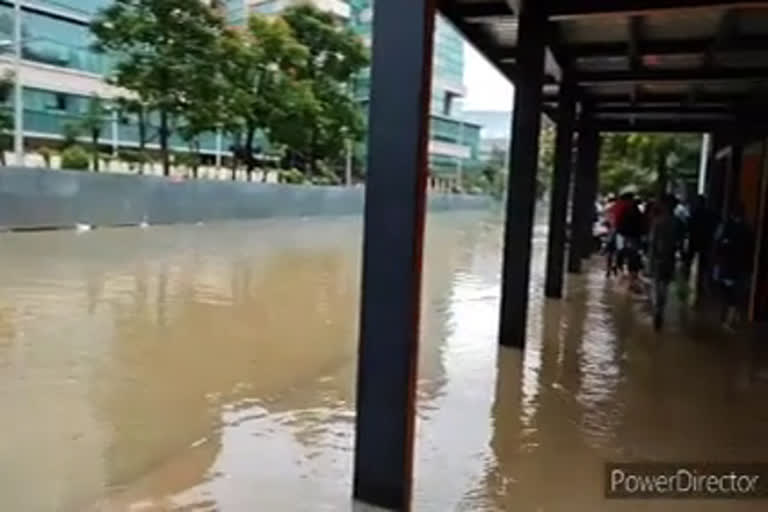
(701, 227)
(665, 239)
(734, 251)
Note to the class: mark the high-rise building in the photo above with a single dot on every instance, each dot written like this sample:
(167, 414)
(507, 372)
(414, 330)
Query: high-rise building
(453, 146)
(61, 71)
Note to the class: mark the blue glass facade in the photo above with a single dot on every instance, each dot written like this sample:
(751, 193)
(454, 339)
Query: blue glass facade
(446, 125)
(55, 33)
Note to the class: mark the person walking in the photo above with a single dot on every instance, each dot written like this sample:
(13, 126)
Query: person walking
(733, 256)
(701, 227)
(663, 245)
(630, 225)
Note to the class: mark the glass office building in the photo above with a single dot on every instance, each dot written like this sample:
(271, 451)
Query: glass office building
(61, 72)
(453, 141)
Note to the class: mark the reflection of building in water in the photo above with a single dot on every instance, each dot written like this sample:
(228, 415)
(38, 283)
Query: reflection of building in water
(167, 377)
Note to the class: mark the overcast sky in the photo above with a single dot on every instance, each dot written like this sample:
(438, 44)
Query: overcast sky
(487, 89)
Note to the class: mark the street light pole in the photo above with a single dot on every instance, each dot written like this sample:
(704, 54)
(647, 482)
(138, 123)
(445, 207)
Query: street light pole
(348, 166)
(18, 100)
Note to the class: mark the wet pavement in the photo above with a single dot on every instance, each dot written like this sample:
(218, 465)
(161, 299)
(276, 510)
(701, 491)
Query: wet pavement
(213, 368)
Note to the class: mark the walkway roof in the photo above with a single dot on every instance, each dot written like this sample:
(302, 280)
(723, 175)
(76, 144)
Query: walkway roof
(661, 65)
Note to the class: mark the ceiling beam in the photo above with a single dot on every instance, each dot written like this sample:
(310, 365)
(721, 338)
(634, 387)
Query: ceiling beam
(635, 36)
(671, 75)
(582, 8)
(661, 110)
(726, 31)
(485, 11)
(669, 47)
(713, 100)
(661, 126)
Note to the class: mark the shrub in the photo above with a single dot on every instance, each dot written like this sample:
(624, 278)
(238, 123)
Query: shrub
(292, 176)
(134, 158)
(76, 158)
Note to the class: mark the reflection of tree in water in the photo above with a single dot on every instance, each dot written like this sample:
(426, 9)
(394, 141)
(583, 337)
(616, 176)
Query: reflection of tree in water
(276, 322)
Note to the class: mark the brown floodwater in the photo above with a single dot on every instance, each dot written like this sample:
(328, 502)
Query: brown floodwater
(212, 367)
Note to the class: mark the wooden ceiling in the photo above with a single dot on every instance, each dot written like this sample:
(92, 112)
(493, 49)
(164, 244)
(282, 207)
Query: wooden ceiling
(683, 65)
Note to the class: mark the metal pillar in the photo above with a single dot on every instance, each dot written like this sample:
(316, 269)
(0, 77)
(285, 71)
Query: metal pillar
(593, 183)
(561, 179)
(757, 299)
(706, 147)
(521, 189)
(392, 251)
(115, 132)
(18, 87)
(579, 203)
(219, 144)
(732, 178)
(348, 164)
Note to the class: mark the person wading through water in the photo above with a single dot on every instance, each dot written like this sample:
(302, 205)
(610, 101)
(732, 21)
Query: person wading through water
(733, 256)
(664, 242)
(630, 226)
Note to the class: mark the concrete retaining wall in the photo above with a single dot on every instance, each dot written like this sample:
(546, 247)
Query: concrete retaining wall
(39, 198)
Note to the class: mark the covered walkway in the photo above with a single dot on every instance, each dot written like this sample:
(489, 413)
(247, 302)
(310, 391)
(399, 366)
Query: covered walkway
(593, 66)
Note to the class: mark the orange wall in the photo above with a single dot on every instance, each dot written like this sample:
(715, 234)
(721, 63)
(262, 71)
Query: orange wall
(749, 185)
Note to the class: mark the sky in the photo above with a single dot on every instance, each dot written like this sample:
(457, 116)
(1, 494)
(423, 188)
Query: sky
(487, 89)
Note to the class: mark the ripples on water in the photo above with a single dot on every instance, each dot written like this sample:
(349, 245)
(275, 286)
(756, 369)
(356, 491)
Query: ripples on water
(213, 368)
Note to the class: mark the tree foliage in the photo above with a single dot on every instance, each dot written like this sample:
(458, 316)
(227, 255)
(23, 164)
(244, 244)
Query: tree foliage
(164, 50)
(546, 157)
(260, 71)
(334, 56)
(647, 161)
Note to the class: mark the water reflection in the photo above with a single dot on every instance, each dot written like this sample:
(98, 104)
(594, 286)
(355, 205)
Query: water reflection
(213, 368)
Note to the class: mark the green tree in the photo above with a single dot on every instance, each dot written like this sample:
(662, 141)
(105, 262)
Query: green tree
(165, 49)
(335, 55)
(260, 70)
(93, 124)
(546, 157)
(647, 161)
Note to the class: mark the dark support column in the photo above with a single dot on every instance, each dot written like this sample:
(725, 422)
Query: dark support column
(395, 203)
(587, 139)
(561, 183)
(593, 184)
(524, 150)
(733, 178)
(758, 299)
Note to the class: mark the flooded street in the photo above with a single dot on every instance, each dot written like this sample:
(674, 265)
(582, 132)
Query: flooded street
(212, 367)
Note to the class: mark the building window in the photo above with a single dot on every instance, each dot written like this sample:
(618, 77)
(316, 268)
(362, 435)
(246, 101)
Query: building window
(448, 101)
(61, 102)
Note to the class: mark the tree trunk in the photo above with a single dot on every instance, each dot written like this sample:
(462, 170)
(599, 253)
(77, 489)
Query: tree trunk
(164, 134)
(264, 173)
(663, 176)
(248, 148)
(95, 148)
